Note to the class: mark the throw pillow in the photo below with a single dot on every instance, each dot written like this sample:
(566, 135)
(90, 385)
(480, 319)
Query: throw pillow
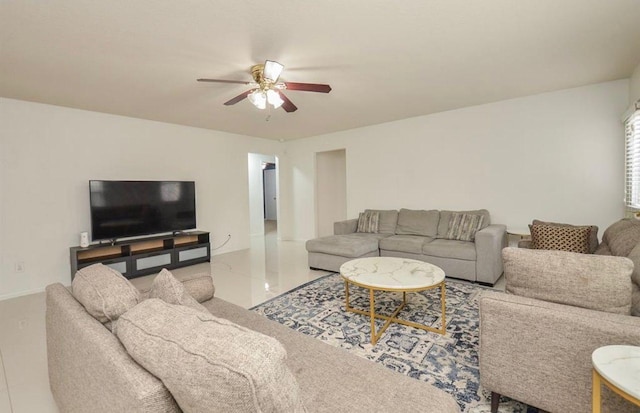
(104, 292)
(368, 222)
(463, 227)
(167, 288)
(552, 237)
(445, 218)
(208, 363)
(593, 238)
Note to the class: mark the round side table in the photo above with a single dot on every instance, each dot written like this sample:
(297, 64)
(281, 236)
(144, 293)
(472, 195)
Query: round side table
(618, 368)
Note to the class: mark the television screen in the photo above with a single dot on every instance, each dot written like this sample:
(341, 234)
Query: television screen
(129, 208)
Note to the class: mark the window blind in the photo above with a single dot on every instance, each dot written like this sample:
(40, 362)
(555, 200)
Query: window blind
(632, 160)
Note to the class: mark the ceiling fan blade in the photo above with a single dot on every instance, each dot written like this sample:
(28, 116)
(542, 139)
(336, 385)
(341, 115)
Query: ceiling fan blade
(288, 106)
(308, 87)
(241, 82)
(238, 98)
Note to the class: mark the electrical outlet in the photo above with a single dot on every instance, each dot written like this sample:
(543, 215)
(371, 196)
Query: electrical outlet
(19, 266)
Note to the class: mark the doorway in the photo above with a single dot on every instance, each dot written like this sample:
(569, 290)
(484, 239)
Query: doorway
(263, 194)
(331, 190)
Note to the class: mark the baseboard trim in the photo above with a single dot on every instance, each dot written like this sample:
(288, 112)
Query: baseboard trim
(20, 294)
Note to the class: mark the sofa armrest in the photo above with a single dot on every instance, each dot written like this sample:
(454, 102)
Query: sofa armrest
(597, 282)
(550, 345)
(89, 369)
(489, 243)
(345, 227)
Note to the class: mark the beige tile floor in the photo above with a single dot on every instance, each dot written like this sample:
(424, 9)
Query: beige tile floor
(247, 278)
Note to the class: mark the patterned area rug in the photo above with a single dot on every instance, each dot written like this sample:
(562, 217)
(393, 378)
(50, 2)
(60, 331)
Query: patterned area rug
(448, 362)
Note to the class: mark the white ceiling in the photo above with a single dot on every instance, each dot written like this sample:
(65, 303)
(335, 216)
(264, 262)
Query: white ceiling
(385, 60)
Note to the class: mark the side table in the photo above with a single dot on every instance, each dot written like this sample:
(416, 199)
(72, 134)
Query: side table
(521, 233)
(618, 368)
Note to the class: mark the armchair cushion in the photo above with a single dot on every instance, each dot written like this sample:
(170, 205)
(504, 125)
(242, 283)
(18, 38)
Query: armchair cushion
(582, 280)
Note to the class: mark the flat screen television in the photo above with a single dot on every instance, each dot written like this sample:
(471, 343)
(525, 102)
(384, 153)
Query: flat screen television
(121, 209)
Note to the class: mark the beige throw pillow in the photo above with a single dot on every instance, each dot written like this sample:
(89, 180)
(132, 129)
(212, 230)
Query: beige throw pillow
(167, 288)
(463, 227)
(368, 222)
(104, 292)
(208, 363)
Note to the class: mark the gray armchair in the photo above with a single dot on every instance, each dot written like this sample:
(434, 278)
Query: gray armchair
(537, 338)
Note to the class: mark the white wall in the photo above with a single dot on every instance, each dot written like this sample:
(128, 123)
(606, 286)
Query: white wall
(555, 156)
(256, 196)
(49, 153)
(331, 190)
(634, 85)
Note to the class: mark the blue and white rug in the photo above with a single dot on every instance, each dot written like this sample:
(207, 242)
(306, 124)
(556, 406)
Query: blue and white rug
(448, 362)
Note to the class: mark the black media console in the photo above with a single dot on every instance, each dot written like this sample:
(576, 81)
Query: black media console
(139, 257)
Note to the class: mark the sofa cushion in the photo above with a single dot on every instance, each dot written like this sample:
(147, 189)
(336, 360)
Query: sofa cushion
(104, 292)
(624, 241)
(445, 218)
(582, 280)
(208, 363)
(350, 245)
(593, 237)
(561, 238)
(445, 248)
(404, 243)
(168, 289)
(388, 219)
(368, 222)
(463, 227)
(418, 222)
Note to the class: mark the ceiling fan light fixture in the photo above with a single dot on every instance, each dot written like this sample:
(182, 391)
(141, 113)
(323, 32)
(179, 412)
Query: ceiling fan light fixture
(258, 98)
(272, 71)
(274, 99)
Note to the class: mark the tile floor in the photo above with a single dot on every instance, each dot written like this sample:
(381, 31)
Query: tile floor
(247, 278)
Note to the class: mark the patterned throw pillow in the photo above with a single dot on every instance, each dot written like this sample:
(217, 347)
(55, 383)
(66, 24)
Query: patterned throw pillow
(551, 237)
(368, 222)
(463, 227)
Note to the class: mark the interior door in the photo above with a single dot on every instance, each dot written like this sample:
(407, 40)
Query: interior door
(270, 201)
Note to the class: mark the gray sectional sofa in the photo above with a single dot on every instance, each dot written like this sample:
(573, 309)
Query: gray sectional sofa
(417, 234)
(90, 369)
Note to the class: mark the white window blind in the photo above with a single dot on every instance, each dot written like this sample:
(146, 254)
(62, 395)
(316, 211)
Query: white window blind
(632, 160)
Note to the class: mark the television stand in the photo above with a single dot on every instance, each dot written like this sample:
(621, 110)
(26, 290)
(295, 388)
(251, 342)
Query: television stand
(143, 256)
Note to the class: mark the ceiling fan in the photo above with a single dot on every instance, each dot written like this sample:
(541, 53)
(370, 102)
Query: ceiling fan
(265, 87)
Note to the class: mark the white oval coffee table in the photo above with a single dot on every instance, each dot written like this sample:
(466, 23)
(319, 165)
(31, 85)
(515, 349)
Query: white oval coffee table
(618, 367)
(393, 274)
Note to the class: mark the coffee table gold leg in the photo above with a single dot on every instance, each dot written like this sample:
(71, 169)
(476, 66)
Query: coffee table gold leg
(595, 401)
(373, 317)
(443, 294)
(346, 294)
